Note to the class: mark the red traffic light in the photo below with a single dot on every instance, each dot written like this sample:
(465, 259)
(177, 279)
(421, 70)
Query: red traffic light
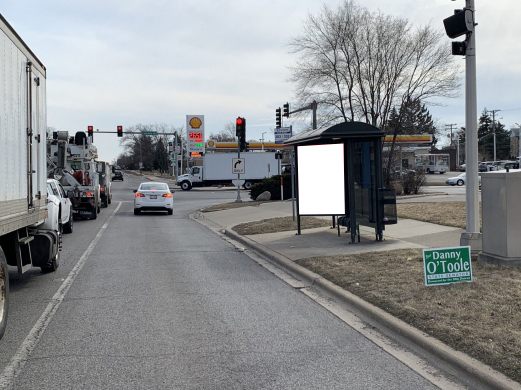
(90, 128)
(239, 121)
(120, 128)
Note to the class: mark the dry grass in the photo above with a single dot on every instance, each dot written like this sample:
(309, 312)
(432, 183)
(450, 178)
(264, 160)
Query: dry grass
(442, 213)
(232, 205)
(281, 224)
(482, 318)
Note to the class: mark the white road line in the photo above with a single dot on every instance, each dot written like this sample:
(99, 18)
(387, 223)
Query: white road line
(17, 363)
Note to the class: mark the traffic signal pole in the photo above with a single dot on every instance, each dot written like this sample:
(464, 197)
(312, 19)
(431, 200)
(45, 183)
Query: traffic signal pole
(472, 236)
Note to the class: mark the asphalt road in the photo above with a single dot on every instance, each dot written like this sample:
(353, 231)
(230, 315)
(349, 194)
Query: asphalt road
(160, 302)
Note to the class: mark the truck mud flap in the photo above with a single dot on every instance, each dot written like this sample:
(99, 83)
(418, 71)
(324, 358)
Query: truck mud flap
(44, 247)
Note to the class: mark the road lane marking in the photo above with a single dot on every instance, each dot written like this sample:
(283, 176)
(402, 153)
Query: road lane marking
(17, 363)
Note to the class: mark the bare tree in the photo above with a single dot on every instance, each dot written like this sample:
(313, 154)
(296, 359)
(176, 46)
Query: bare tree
(359, 65)
(227, 134)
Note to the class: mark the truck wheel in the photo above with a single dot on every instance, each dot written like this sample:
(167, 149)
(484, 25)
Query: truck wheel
(185, 186)
(4, 292)
(247, 185)
(94, 213)
(68, 227)
(53, 266)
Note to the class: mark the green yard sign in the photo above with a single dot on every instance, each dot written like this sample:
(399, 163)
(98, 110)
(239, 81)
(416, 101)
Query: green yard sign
(447, 265)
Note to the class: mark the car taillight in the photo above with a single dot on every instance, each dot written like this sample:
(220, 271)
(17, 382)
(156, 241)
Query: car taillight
(139, 195)
(102, 188)
(167, 195)
(88, 194)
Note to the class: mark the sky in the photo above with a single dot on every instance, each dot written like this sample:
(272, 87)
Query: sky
(124, 62)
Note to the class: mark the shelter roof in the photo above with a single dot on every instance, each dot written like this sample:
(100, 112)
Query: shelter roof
(336, 133)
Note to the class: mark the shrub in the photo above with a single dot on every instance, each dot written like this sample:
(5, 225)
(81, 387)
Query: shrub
(273, 186)
(412, 181)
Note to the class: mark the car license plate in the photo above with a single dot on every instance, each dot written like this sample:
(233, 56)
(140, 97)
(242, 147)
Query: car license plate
(153, 196)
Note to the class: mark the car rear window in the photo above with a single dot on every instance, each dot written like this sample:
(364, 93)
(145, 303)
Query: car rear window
(153, 187)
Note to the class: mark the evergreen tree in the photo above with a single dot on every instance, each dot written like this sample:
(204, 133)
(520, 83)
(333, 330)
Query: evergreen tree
(413, 118)
(486, 138)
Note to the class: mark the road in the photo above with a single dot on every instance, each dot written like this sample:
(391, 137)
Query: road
(161, 302)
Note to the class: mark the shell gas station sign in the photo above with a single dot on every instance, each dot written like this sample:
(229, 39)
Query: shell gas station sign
(195, 133)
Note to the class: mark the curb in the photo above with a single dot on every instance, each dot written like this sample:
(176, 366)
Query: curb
(479, 371)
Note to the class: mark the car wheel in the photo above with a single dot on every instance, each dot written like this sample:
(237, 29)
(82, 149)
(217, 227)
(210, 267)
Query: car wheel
(68, 227)
(185, 186)
(137, 211)
(53, 266)
(247, 185)
(109, 201)
(170, 212)
(460, 182)
(4, 292)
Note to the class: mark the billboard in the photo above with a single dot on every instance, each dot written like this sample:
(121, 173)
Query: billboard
(321, 187)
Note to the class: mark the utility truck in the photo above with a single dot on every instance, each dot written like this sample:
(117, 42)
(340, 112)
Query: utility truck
(433, 163)
(217, 170)
(75, 166)
(27, 239)
(105, 176)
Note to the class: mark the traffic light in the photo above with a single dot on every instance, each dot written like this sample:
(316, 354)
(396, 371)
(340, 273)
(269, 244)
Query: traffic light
(286, 110)
(120, 131)
(90, 131)
(240, 127)
(278, 119)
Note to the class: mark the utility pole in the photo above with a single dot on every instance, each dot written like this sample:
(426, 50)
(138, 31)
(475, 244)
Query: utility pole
(494, 129)
(450, 125)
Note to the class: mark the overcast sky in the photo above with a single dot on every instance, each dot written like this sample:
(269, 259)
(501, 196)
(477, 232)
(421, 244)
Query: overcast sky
(123, 62)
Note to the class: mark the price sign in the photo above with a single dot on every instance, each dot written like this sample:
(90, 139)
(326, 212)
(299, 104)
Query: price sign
(195, 133)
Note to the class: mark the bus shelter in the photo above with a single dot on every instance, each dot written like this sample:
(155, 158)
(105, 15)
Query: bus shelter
(338, 172)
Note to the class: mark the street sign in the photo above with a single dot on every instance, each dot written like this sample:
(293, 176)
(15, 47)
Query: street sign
(447, 265)
(238, 183)
(238, 166)
(282, 134)
(149, 133)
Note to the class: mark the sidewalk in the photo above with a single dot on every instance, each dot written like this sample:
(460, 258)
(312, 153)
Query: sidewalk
(407, 233)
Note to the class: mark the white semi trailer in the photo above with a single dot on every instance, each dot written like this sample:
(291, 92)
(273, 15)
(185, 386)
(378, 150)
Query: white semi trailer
(217, 169)
(25, 241)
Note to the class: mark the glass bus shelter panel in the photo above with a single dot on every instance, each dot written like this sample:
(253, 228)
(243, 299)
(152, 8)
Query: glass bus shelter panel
(364, 168)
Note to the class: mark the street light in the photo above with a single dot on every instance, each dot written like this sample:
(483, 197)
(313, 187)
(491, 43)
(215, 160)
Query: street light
(263, 140)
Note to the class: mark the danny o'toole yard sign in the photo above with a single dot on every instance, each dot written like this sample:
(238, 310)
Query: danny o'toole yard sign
(447, 265)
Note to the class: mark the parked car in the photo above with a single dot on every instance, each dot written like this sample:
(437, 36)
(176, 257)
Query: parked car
(151, 196)
(461, 179)
(462, 167)
(118, 175)
(59, 206)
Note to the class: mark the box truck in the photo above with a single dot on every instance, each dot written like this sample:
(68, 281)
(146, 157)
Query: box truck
(26, 240)
(217, 170)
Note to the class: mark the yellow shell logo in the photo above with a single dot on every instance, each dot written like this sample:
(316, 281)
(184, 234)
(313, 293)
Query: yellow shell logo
(195, 122)
(211, 144)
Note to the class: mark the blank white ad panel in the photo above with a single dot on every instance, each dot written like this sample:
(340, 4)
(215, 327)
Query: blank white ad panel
(321, 179)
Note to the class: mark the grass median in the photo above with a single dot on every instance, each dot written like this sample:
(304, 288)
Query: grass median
(481, 318)
(441, 213)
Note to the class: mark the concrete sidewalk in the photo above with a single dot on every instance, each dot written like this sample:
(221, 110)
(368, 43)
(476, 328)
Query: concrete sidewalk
(407, 233)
